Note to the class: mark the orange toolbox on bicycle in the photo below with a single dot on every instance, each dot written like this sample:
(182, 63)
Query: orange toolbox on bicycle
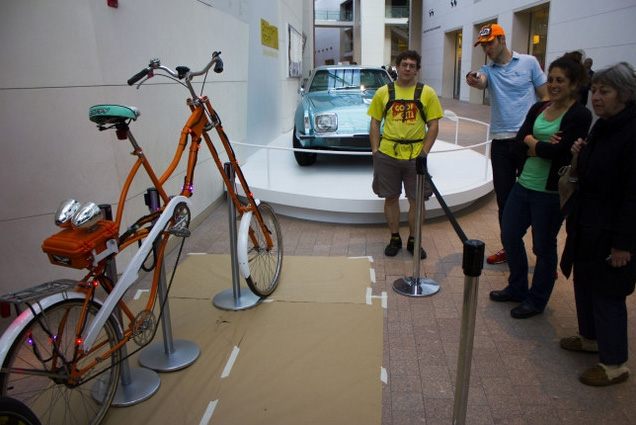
(78, 248)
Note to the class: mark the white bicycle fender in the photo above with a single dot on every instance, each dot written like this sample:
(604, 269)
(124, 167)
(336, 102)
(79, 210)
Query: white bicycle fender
(241, 244)
(27, 315)
(130, 274)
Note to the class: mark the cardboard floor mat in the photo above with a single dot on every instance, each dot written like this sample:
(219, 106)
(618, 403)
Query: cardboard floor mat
(310, 354)
(311, 279)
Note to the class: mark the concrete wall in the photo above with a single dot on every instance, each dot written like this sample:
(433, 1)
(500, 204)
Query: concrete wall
(372, 37)
(59, 58)
(602, 29)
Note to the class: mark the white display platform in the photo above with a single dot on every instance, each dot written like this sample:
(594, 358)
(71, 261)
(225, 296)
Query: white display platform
(337, 188)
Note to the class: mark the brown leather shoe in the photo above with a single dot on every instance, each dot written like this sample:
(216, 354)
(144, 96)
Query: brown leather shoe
(578, 343)
(602, 376)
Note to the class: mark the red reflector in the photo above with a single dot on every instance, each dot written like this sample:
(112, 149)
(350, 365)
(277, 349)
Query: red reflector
(122, 134)
(5, 310)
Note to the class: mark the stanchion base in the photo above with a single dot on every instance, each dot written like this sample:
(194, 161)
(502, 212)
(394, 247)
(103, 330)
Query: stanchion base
(144, 383)
(420, 287)
(183, 355)
(225, 300)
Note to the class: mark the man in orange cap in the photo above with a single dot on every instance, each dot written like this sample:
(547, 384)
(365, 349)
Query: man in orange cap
(515, 82)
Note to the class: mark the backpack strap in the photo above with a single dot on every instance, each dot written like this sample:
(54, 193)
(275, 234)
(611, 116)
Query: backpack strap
(416, 98)
(418, 94)
(391, 88)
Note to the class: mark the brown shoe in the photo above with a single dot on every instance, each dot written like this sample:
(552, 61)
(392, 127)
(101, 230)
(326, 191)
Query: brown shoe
(602, 376)
(579, 343)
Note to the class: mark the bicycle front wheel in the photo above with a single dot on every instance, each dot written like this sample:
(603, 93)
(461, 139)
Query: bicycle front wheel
(15, 412)
(38, 366)
(259, 263)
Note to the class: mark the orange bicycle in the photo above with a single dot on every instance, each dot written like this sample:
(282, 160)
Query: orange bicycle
(61, 356)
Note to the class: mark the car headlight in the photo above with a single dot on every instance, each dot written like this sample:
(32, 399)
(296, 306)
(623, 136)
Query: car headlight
(326, 123)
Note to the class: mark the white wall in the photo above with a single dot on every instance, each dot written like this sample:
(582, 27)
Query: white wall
(61, 57)
(603, 29)
(327, 45)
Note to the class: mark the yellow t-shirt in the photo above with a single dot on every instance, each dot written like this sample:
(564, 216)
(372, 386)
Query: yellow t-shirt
(404, 125)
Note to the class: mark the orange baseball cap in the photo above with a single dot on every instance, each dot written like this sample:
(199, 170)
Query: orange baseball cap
(488, 33)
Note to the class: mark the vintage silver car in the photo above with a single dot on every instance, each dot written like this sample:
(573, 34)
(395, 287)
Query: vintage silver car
(332, 111)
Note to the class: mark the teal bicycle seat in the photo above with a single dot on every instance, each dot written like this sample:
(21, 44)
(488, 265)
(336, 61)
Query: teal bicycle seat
(112, 114)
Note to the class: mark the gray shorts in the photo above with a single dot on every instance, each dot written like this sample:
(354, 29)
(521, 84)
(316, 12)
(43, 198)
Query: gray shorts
(390, 173)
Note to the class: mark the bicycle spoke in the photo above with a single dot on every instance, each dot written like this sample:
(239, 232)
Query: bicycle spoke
(264, 262)
(35, 373)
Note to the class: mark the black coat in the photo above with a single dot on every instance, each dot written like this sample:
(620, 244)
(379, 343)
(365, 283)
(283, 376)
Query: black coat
(604, 207)
(575, 123)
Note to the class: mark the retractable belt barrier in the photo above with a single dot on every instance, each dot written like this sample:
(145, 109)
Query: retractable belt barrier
(472, 264)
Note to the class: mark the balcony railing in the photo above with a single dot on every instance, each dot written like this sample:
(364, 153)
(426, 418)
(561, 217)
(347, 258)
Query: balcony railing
(347, 15)
(334, 15)
(396, 12)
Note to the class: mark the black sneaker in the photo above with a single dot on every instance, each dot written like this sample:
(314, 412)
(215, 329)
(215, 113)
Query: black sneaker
(410, 246)
(395, 244)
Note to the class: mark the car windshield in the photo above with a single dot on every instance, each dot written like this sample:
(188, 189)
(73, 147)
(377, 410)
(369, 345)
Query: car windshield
(344, 78)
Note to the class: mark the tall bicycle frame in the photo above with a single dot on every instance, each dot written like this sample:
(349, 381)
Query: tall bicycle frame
(67, 337)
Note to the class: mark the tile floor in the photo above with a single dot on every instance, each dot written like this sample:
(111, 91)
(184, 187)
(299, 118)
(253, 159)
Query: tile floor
(519, 375)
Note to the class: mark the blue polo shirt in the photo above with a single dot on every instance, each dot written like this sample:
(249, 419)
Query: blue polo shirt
(512, 91)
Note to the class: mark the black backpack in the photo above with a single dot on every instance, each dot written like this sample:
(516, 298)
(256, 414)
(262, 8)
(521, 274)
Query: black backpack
(416, 98)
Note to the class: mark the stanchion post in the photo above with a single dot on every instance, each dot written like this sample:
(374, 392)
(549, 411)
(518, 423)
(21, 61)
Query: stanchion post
(136, 384)
(175, 354)
(417, 286)
(233, 299)
(472, 263)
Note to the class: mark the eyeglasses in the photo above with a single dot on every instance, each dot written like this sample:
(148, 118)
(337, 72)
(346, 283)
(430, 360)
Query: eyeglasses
(408, 65)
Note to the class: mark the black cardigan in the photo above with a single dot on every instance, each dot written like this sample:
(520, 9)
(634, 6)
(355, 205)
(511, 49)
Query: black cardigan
(604, 209)
(607, 179)
(575, 123)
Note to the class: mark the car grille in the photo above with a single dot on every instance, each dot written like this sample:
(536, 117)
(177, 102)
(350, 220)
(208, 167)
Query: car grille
(355, 142)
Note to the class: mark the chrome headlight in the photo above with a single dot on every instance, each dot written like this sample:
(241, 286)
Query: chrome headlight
(66, 211)
(87, 215)
(326, 123)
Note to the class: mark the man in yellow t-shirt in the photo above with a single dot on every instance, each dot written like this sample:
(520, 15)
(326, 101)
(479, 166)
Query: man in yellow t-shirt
(404, 138)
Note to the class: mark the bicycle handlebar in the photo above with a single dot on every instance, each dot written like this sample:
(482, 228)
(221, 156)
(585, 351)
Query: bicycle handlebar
(182, 71)
(138, 76)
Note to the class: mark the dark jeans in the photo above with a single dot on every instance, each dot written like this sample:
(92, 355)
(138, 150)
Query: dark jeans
(540, 210)
(506, 164)
(603, 318)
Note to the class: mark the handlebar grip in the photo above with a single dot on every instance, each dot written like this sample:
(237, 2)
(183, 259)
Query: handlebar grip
(218, 66)
(138, 76)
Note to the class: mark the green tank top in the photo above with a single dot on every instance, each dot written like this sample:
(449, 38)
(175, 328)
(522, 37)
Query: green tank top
(536, 170)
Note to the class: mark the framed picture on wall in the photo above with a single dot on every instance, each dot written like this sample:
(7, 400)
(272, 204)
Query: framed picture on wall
(294, 53)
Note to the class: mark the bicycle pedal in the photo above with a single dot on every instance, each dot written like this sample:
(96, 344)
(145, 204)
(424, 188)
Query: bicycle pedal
(181, 232)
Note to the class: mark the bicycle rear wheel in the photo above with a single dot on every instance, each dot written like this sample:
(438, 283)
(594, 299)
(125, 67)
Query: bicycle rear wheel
(260, 264)
(38, 375)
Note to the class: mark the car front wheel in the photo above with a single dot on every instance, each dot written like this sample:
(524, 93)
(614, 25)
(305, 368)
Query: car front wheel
(302, 158)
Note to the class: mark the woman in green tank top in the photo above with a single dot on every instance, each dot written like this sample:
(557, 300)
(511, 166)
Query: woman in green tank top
(546, 135)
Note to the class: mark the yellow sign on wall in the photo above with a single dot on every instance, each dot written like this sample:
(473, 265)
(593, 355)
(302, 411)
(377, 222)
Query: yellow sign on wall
(269, 34)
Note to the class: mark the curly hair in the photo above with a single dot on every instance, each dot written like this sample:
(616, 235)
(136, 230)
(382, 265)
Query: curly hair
(409, 54)
(573, 68)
